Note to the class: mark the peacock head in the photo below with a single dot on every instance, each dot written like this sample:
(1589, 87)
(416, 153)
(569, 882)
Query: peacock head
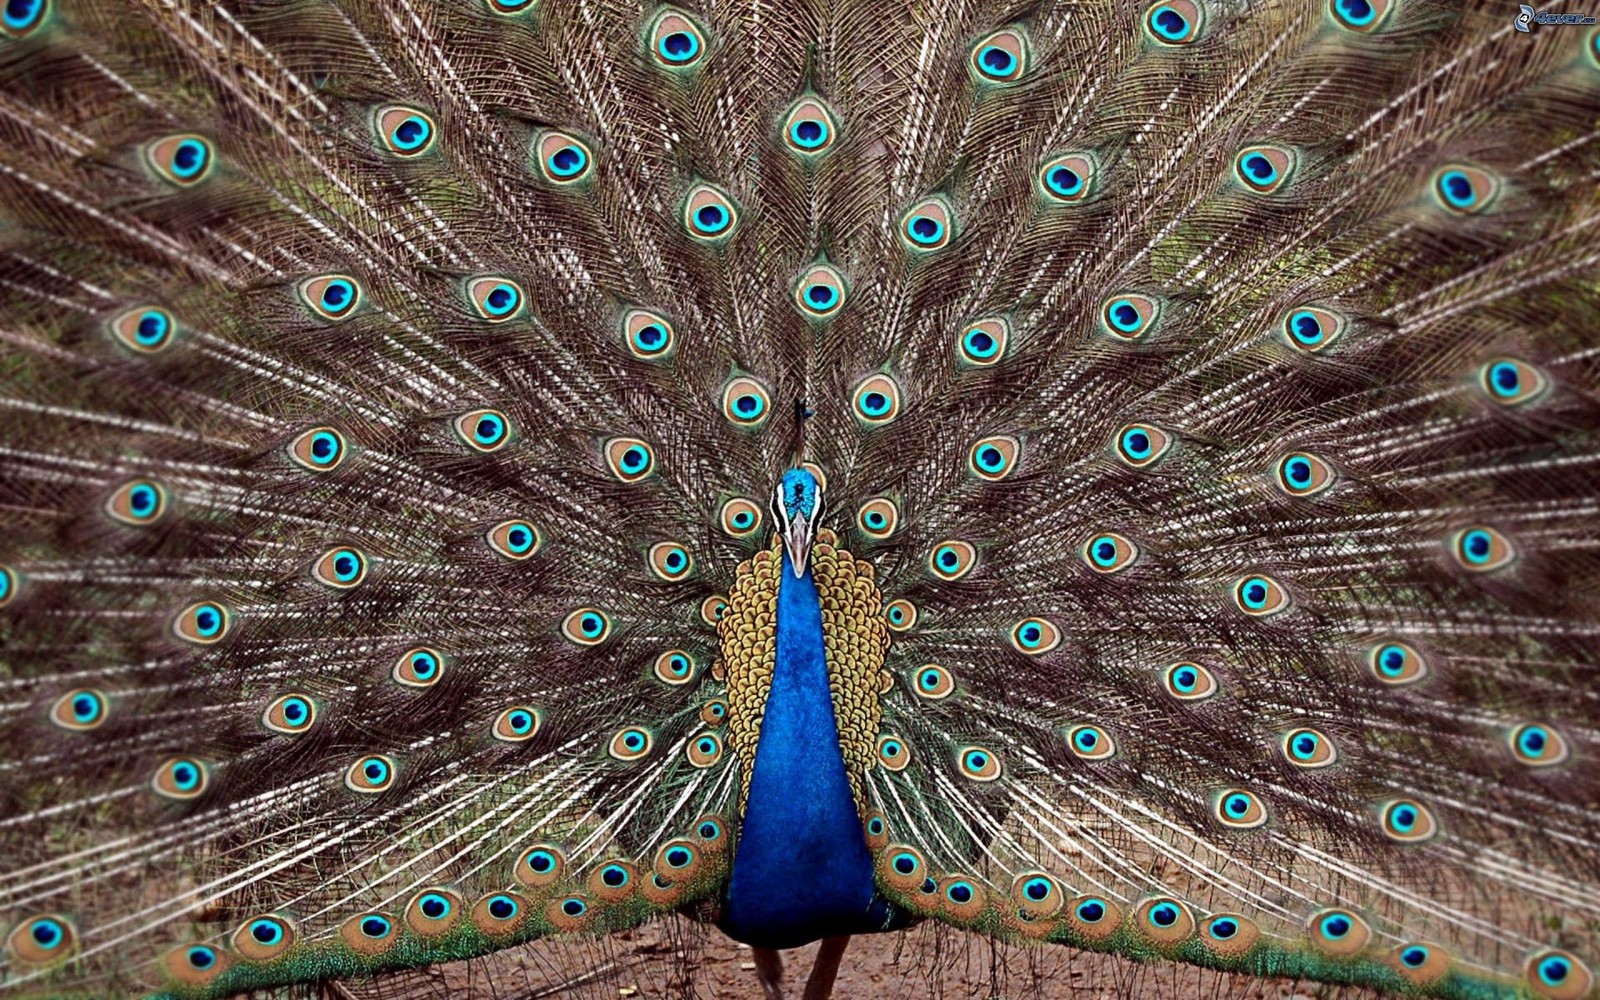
(797, 504)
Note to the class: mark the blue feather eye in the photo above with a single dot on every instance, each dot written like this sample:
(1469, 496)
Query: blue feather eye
(1037, 895)
(180, 778)
(629, 459)
(42, 940)
(1140, 445)
(419, 667)
(433, 912)
(541, 866)
(1094, 917)
(1308, 748)
(631, 743)
(586, 626)
(1109, 553)
(893, 753)
(712, 609)
(341, 568)
(978, 763)
(648, 335)
(901, 614)
(704, 750)
(371, 774)
(808, 128)
(745, 402)
(902, 867)
(994, 458)
(79, 710)
(1130, 316)
(675, 667)
(675, 41)
(1396, 663)
(517, 724)
(1302, 474)
(934, 682)
(878, 517)
(20, 18)
(1537, 745)
(498, 913)
(1407, 820)
(1240, 809)
(143, 329)
(1511, 382)
(1090, 743)
(1465, 190)
(1034, 636)
(1482, 549)
(1188, 681)
(319, 449)
(739, 516)
(194, 965)
(952, 559)
(820, 292)
(1177, 22)
(1001, 57)
(927, 225)
(495, 299)
(1558, 975)
(374, 926)
(709, 215)
(1260, 596)
(138, 502)
(876, 400)
(1311, 329)
(1067, 178)
(1229, 934)
(1164, 920)
(483, 430)
(1359, 15)
(202, 623)
(983, 342)
(291, 714)
(1263, 169)
(515, 539)
(331, 296)
(183, 160)
(263, 938)
(670, 561)
(1338, 932)
(403, 131)
(563, 158)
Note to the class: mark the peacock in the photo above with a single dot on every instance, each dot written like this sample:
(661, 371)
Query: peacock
(1095, 474)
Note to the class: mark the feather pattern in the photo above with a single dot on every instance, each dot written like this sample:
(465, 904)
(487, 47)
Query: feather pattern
(401, 406)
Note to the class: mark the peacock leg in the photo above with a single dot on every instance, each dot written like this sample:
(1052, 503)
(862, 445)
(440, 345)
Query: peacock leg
(823, 971)
(769, 970)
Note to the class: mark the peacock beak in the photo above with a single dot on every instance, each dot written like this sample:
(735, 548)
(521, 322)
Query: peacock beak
(797, 539)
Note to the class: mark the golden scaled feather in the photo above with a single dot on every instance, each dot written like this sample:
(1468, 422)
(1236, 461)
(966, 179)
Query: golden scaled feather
(1202, 402)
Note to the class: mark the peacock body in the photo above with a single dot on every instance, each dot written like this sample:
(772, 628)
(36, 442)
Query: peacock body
(1110, 475)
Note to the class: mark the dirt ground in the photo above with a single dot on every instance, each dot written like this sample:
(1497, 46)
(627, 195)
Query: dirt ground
(679, 959)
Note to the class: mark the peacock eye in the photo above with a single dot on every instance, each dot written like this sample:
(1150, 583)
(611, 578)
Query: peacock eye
(1109, 553)
(675, 667)
(927, 225)
(704, 750)
(138, 502)
(745, 402)
(1001, 57)
(739, 516)
(510, 8)
(495, 299)
(433, 912)
(1164, 919)
(676, 42)
(670, 560)
(1067, 179)
(404, 131)
(1260, 596)
(1511, 382)
(515, 539)
(19, 18)
(291, 714)
(202, 623)
(994, 458)
(1140, 445)
(893, 753)
(1302, 474)
(709, 215)
(483, 430)
(80, 710)
(563, 158)
(1187, 681)
(1465, 190)
(876, 400)
(1312, 329)
(808, 127)
(1130, 316)
(952, 559)
(587, 626)
(1308, 748)
(516, 724)
(1035, 636)
(540, 866)
(629, 459)
(419, 667)
(1090, 742)
(497, 912)
(1396, 663)
(1263, 169)
(180, 778)
(820, 291)
(144, 329)
(631, 743)
(341, 568)
(647, 335)
(331, 296)
(934, 682)
(183, 160)
(319, 449)
(1177, 22)
(901, 614)
(1407, 820)
(978, 763)
(1538, 745)
(263, 938)
(983, 342)
(1359, 15)
(1240, 809)
(1482, 549)
(878, 517)
(1338, 932)
(42, 940)
(370, 775)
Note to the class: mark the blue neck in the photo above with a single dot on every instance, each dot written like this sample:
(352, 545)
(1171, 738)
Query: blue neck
(801, 870)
